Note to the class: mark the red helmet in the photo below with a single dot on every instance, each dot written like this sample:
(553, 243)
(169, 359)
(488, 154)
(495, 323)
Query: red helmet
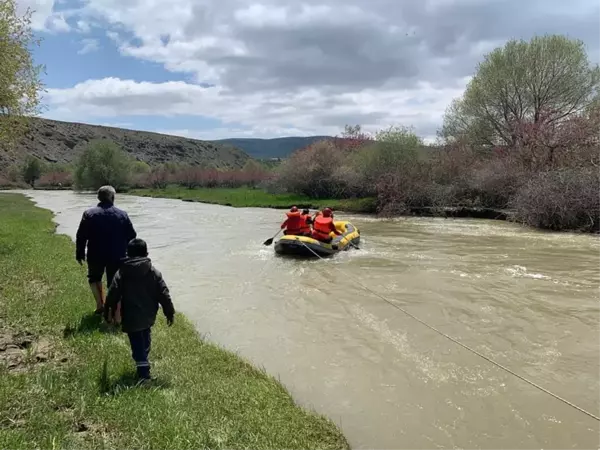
(327, 212)
(294, 209)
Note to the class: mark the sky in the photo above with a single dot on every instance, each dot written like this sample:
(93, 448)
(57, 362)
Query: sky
(213, 69)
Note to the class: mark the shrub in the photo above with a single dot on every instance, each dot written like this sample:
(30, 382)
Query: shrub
(325, 169)
(309, 171)
(253, 173)
(158, 178)
(563, 199)
(192, 177)
(7, 183)
(140, 168)
(14, 174)
(351, 165)
(493, 182)
(195, 176)
(103, 162)
(32, 170)
(56, 176)
(56, 179)
(398, 192)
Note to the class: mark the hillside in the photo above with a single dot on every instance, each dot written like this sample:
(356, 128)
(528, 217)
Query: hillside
(61, 142)
(271, 148)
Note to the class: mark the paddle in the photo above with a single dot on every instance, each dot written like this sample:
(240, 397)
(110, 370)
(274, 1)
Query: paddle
(270, 240)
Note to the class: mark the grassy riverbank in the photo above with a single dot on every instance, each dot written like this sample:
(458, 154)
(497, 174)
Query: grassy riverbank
(66, 379)
(256, 198)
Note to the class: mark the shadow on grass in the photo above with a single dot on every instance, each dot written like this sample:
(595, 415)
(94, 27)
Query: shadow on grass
(88, 324)
(127, 381)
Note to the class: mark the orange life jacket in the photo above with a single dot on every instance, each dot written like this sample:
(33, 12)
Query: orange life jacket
(322, 227)
(293, 224)
(304, 225)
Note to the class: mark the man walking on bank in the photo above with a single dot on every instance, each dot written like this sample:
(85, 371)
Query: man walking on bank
(105, 230)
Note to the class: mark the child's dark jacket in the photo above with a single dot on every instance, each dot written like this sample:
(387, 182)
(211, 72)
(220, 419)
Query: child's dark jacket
(140, 288)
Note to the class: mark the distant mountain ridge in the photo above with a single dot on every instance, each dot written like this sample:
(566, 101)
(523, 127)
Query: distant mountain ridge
(61, 142)
(271, 148)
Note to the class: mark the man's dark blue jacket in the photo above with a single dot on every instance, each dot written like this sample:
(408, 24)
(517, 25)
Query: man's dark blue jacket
(106, 230)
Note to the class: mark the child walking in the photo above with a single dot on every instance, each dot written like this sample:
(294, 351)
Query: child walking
(139, 287)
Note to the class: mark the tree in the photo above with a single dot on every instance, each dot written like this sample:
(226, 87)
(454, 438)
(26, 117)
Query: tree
(20, 83)
(140, 168)
(309, 171)
(394, 149)
(352, 138)
(32, 170)
(544, 80)
(351, 131)
(253, 172)
(102, 162)
(14, 173)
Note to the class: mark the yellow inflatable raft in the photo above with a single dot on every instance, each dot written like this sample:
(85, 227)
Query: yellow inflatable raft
(307, 246)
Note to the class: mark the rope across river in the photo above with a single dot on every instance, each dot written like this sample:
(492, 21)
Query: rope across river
(466, 347)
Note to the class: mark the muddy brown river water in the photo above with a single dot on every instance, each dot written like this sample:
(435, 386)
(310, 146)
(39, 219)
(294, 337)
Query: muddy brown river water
(528, 299)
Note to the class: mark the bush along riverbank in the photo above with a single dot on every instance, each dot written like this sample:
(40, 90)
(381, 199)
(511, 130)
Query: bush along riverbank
(244, 197)
(67, 379)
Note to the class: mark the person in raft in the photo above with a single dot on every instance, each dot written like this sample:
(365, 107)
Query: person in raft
(105, 230)
(140, 288)
(307, 219)
(323, 225)
(320, 213)
(296, 223)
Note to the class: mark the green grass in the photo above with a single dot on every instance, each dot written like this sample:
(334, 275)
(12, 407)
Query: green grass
(256, 198)
(85, 395)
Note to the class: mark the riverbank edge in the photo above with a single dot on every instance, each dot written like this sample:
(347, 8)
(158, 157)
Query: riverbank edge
(82, 392)
(256, 198)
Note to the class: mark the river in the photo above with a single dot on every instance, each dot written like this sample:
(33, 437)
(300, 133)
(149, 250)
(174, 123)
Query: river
(527, 299)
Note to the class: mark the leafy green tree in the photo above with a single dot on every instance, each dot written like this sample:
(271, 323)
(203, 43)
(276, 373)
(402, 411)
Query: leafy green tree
(32, 170)
(20, 82)
(102, 162)
(394, 149)
(544, 80)
(140, 168)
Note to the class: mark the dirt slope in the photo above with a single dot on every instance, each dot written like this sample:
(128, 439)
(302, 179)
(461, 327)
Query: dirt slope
(61, 142)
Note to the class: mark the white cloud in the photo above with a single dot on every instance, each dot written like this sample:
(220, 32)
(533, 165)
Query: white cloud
(57, 23)
(225, 133)
(83, 26)
(88, 46)
(43, 17)
(312, 66)
(115, 124)
(278, 114)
